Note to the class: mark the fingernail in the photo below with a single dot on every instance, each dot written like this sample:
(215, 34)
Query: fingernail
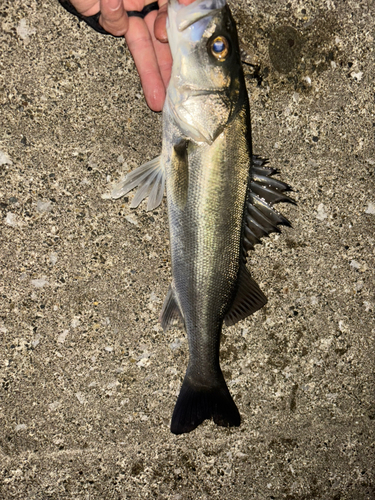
(113, 4)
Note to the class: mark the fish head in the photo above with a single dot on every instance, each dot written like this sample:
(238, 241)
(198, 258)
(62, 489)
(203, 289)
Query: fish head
(207, 77)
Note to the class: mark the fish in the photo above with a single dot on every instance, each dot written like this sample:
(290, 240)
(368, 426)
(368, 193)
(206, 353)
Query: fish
(220, 199)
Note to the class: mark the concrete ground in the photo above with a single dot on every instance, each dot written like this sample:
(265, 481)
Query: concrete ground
(88, 378)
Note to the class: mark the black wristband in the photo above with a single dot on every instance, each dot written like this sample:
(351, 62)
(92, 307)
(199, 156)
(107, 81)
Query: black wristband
(146, 10)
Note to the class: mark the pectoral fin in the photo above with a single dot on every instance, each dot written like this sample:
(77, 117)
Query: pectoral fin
(248, 300)
(150, 180)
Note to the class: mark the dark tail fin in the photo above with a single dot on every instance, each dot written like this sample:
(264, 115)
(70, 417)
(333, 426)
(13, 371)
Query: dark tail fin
(196, 404)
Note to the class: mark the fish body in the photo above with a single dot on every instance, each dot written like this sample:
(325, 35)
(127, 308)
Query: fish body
(219, 200)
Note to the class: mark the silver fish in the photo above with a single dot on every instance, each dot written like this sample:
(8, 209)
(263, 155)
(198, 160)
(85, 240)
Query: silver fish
(219, 199)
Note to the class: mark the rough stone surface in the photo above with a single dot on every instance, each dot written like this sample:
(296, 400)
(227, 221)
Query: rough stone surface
(88, 378)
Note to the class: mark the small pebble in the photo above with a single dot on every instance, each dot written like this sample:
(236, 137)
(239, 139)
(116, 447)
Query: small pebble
(132, 220)
(62, 337)
(357, 75)
(53, 258)
(81, 398)
(75, 322)
(11, 219)
(43, 206)
(4, 159)
(175, 344)
(20, 427)
(24, 31)
(321, 213)
(39, 282)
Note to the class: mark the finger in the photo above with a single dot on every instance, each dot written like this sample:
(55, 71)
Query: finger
(113, 17)
(141, 47)
(86, 7)
(162, 51)
(164, 58)
(160, 28)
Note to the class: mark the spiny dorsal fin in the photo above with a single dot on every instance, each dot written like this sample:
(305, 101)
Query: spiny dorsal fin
(248, 300)
(150, 180)
(170, 314)
(261, 218)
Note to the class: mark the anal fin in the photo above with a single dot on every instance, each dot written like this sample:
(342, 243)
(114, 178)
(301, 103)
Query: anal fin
(248, 300)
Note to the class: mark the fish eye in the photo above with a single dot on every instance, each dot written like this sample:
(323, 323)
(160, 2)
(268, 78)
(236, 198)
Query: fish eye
(219, 48)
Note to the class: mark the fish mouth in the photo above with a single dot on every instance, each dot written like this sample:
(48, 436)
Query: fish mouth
(190, 14)
(195, 16)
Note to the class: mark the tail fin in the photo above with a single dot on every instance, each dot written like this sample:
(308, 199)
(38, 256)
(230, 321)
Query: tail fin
(196, 404)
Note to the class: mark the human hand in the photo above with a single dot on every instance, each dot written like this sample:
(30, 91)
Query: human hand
(146, 39)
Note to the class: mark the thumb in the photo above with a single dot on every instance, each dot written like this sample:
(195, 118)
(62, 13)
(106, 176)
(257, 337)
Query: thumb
(113, 17)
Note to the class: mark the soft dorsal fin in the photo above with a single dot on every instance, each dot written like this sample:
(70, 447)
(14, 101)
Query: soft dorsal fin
(150, 180)
(261, 218)
(248, 300)
(170, 314)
